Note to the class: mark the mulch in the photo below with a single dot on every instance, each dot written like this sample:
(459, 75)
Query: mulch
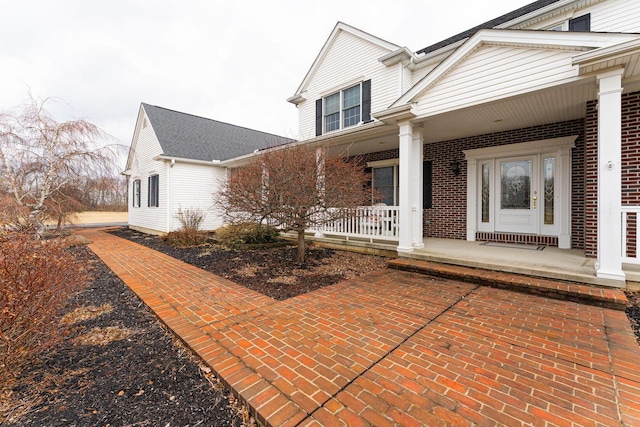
(121, 368)
(274, 272)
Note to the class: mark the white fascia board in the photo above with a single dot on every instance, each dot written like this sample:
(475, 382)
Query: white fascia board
(521, 38)
(340, 26)
(607, 53)
(185, 160)
(547, 12)
(136, 132)
(402, 55)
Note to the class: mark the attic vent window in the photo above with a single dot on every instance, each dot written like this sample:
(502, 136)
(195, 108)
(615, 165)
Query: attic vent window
(144, 123)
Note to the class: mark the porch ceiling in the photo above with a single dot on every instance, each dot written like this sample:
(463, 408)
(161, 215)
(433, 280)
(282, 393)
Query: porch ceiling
(537, 108)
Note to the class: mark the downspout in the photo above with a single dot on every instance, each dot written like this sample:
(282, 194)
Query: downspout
(169, 197)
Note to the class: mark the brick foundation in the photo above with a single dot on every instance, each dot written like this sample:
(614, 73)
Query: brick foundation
(517, 238)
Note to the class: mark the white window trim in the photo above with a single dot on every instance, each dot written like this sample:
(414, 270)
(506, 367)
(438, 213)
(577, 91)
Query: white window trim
(137, 201)
(341, 109)
(383, 164)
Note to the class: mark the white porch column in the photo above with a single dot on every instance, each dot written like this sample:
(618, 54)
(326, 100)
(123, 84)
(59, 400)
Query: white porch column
(407, 163)
(417, 155)
(609, 263)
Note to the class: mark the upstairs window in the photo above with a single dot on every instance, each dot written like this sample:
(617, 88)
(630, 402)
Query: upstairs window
(154, 191)
(581, 23)
(344, 109)
(135, 197)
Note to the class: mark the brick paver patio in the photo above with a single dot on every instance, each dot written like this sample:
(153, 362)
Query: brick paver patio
(395, 348)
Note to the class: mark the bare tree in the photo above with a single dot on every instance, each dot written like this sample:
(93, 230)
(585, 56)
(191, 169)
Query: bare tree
(40, 157)
(294, 188)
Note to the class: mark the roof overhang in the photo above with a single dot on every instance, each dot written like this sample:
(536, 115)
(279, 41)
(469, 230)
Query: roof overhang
(173, 159)
(619, 55)
(567, 41)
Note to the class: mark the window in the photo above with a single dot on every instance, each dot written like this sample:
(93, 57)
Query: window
(154, 191)
(344, 109)
(581, 23)
(385, 184)
(135, 197)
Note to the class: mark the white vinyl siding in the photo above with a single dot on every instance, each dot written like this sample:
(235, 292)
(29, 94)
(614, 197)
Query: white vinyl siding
(621, 16)
(146, 147)
(348, 60)
(495, 72)
(194, 187)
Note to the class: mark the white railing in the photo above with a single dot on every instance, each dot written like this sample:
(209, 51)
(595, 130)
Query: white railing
(630, 235)
(369, 222)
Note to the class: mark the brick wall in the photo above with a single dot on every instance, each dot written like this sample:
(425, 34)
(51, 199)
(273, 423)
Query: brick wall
(630, 168)
(591, 181)
(447, 218)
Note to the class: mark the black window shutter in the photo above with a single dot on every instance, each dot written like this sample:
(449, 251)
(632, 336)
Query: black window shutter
(426, 184)
(366, 101)
(149, 191)
(581, 23)
(318, 117)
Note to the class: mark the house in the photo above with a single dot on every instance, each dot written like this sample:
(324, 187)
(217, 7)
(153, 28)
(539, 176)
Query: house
(522, 129)
(176, 161)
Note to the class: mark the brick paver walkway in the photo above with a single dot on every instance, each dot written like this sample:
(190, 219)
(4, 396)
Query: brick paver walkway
(395, 348)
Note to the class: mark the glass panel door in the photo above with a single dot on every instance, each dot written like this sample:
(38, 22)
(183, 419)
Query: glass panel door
(516, 204)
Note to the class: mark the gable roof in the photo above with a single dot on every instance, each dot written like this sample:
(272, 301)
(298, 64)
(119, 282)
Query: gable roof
(531, 7)
(186, 136)
(562, 40)
(340, 26)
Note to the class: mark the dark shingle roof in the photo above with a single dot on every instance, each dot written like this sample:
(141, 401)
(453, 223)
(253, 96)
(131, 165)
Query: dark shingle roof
(191, 137)
(531, 7)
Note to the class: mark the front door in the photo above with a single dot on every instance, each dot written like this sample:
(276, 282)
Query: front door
(516, 204)
(518, 194)
(521, 188)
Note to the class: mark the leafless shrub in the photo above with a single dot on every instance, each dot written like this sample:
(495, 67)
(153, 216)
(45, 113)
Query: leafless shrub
(189, 233)
(36, 277)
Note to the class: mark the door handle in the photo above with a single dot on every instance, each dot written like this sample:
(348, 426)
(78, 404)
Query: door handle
(535, 200)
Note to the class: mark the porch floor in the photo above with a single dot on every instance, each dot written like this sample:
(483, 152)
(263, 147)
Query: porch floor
(551, 262)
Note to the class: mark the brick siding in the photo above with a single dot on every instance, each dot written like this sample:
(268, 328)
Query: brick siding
(630, 169)
(447, 217)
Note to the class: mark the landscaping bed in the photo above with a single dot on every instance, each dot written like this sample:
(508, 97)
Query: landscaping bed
(274, 272)
(117, 366)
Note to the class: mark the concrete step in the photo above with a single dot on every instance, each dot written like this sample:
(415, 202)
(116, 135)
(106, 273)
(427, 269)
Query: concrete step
(557, 289)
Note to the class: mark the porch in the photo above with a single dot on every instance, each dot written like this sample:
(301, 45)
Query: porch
(546, 262)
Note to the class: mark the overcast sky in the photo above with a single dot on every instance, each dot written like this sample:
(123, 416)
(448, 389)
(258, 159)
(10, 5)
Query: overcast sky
(233, 61)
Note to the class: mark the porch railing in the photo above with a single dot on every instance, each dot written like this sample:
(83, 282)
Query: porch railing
(368, 222)
(630, 235)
